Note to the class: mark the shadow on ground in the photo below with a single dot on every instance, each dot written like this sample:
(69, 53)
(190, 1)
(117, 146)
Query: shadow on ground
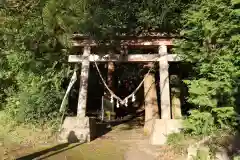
(98, 129)
(72, 142)
(131, 121)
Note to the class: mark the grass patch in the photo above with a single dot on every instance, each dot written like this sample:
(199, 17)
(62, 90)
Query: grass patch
(179, 142)
(175, 138)
(22, 140)
(11, 132)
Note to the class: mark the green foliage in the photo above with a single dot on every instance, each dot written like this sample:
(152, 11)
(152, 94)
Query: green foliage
(34, 46)
(107, 19)
(210, 40)
(38, 104)
(34, 40)
(236, 158)
(175, 138)
(225, 117)
(199, 123)
(31, 65)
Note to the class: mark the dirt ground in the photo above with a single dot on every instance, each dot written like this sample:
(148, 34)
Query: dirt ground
(122, 143)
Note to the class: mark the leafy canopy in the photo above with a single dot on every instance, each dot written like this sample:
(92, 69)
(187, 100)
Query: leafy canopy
(34, 39)
(211, 42)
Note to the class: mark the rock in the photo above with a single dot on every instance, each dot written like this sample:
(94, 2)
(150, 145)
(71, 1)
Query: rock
(192, 152)
(162, 128)
(222, 155)
(201, 152)
(204, 153)
(5, 158)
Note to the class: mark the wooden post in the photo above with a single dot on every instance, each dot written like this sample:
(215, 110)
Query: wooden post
(164, 84)
(176, 96)
(110, 76)
(150, 102)
(82, 99)
(110, 82)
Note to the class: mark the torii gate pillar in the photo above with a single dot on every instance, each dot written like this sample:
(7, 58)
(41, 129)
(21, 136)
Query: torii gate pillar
(82, 98)
(164, 126)
(79, 127)
(164, 84)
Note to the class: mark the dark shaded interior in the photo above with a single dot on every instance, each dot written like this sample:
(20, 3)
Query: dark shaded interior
(183, 71)
(95, 89)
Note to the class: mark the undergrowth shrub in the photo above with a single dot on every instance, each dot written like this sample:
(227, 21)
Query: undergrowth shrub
(199, 123)
(175, 138)
(36, 102)
(32, 66)
(225, 117)
(205, 123)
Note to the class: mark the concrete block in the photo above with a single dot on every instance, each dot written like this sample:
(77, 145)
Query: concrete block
(162, 128)
(75, 129)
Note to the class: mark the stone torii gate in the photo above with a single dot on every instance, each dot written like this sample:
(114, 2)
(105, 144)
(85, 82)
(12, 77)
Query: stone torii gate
(159, 125)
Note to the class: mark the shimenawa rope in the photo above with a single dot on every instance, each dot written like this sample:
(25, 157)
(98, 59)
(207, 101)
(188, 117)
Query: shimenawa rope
(125, 100)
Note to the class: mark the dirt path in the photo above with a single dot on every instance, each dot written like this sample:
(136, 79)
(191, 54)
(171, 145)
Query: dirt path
(122, 143)
(137, 144)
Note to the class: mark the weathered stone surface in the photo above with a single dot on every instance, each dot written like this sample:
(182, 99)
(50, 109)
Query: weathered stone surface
(82, 98)
(162, 128)
(176, 108)
(148, 127)
(75, 129)
(203, 153)
(198, 151)
(176, 96)
(150, 102)
(192, 152)
(164, 84)
(222, 155)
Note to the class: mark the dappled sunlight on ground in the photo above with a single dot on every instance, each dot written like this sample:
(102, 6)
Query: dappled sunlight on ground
(125, 142)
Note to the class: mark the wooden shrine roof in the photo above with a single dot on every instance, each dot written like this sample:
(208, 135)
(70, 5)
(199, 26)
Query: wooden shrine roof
(150, 39)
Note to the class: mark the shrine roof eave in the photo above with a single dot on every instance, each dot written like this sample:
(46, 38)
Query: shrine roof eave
(140, 40)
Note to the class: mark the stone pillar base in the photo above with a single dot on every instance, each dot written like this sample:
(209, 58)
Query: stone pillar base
(162, 128)
(75, 129)
(148, 127)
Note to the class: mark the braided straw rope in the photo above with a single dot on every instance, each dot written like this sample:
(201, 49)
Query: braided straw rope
(134, 92)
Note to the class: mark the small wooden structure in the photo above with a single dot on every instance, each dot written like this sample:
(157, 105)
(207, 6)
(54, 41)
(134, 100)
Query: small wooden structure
(148, 41)
(163, 57)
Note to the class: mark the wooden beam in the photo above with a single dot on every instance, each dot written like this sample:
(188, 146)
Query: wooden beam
(128, 58)
(134, 42)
